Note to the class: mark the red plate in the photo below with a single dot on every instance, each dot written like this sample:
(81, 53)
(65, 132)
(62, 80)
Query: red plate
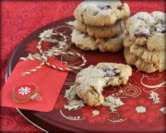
(127, 118)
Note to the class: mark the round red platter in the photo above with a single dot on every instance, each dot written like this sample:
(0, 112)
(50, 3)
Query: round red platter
(126, 118)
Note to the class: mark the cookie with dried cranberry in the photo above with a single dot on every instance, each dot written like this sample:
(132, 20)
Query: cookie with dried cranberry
(147, 29)
(90, 82)
(100, 32)
(101, 13)
(157, 42)
(149, 67)
(156, 57)
(86, 42)
(140, 64)
(127, 42)
(130, 58)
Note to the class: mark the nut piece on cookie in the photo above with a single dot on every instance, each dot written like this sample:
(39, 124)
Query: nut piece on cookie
(91, 81)
(101, 13)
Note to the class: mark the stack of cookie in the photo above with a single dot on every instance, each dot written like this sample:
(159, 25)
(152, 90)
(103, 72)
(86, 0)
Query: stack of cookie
(145, 42)
(99, 25)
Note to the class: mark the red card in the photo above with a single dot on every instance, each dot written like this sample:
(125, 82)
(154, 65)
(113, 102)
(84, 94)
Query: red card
(46, 82)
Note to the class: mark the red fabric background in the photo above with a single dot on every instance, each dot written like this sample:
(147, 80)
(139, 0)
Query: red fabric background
(20, 18)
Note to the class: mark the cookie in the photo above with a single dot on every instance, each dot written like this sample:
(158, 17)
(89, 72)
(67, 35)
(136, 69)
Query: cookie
(143, 28)
(83, 41)
(127, 42)
(159, 16)
(157, 42)
(130, 58)
(149, 67)
(100, 32)
(148, 56)
(140, 64)
(86, 42)
(101, 13)
(114, 44)
(91, 81)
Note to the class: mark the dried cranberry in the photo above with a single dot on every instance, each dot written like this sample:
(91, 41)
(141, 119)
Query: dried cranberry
(111, 72)
(144, 33)
(117, 71)
(106, 69)
(120, 7)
